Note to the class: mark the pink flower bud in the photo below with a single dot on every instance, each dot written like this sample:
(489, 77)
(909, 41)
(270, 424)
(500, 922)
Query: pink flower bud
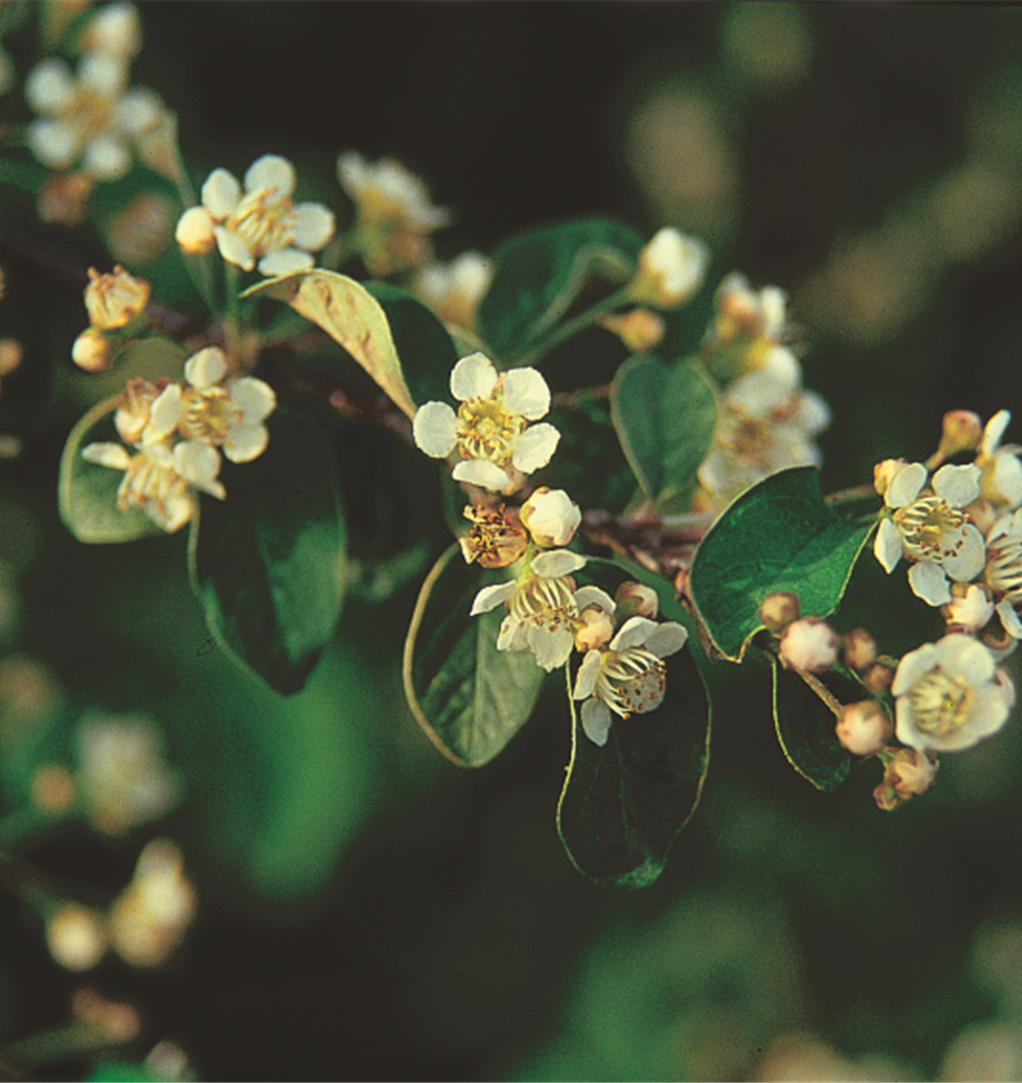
(551, 516)
(809, 645)
(635, 600)
(962, 431)
(864, 728)
(778, 611)
(859, 650)
(878, 678)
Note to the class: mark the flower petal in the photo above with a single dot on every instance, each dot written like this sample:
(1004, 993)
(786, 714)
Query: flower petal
(113, 455)
(490, 597)
(586, 596)
(245, 442)
(633, 633)
(271, 171)
(473, 377)
(585, 682)
(434, 429)
(596, 721)
(106, 157)
(668, 638)
(551, 648)
(220, 193)
(233, 248)
(535, 447)
(49, 86)
(958, 485)
(205, 368)
(164, 414)
(887, 546)
(557, 562)
(968, 561)
(283, 261)
(526, 393)
(199, 463)
(992, 431)
(1009, 618)
(314, 226)
(905, 486)
(929, 582)
(55, 143)
(483, 473)
(254, 398)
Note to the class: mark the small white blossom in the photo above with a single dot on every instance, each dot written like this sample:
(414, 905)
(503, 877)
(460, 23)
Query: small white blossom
(671, 269)
(1003, 573)
(491, 429)
(970, 610)
(1001, 470)
(151, 482)
(543, 607)
(742, 311)
(551, 516)
(453, 290)
(628, 677)
(257, 222)
(809, 645)
(931, 528)
(950, 695)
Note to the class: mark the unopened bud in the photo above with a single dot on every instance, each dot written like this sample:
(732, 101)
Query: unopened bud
(64, 198)
(194, 232)
(859, 649)
(10, 355)
(551, 516)
(53, 789)
(76, 937)
(116, 1021)
(671, 269)
(962, 431)
(114, 300)
(864, 728)
(640, 330)
(809, 645)
(778, 611)
(878, 678)
(597, 629)
(93, 351)
(635, 600)
(907, 773)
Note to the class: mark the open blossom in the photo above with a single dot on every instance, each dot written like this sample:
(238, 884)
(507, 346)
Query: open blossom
(151, 482)
(551, 516)
(453, 290)
(628, 677)
(671, 269)
(1000, 468)
(258, 221)
(88, 115)
(907, 772)
(950, 695)
(543, 607)
(931, 527)
(767, 423)
(491, 429)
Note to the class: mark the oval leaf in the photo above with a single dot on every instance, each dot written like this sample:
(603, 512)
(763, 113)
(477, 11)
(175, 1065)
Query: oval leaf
(470, 698)
(624, 804)
(268, 562)
(780, 535)
(352, 317)
(665, 416)
(805, 729)
(539, 274)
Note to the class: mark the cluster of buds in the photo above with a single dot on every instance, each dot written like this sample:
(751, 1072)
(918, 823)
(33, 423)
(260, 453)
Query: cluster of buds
(116, 306)
(174, 434)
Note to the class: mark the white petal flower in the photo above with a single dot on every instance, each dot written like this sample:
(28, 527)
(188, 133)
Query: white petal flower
(150, 482)
(490, 430)
(1001, 469)
(950, 695)
(258, 222)
(671, 269)
(387, 190)
(453, 290)
(628, 677)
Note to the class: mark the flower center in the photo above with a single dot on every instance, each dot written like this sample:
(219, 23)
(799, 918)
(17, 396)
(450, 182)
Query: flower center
(486, 431)
(495, 540)
(207, 414)
(89, 112)
(1004, 568)
(941, 703)
(264, 220)
(932, 528)
(631, 681)
(746, 439)
(545, 601)
(146, 480)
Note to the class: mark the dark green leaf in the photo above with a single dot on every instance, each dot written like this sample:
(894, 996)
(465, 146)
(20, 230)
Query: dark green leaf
(778, 536)
(623, 804)
(538, 275)
(268, 563)
(425, 348)
(470, 698)
(805, 728)
(665, 416)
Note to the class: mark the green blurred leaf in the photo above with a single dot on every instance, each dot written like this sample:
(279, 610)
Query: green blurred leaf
(665, 416)
(623, 804)
(470, 698)
(352, 317)
(268, 562)
(778, 536)
(805, 729)
(425, 348)
(538, 275)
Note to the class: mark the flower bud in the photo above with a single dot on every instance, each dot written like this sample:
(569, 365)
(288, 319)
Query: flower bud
(551, 516)
(635, 600)
(194, 232)
(597, 628)
(671, 269)
(93, 351)
(907, 773)
(779, 610)
(809, 645)
(64, 199)
(640, 330)
(878, 678)
(10, 355)
(962, 431)
(114, 300)
(859, 650)
(864, 728)
(76, 937)
(53, 789)
(969, 609)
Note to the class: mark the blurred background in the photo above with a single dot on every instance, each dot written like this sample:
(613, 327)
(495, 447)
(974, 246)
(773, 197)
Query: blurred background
(364, 909)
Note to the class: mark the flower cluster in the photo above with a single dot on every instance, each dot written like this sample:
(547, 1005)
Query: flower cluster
(116, 304)
(175, 432)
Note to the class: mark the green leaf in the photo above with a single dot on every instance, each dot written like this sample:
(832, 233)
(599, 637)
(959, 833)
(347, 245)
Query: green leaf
(470, 698)
(624, 804)
(268, 562)
(425, 348)
(538, 275)
(352, 317)
(778, 536)
(805, 728)
(665, 416)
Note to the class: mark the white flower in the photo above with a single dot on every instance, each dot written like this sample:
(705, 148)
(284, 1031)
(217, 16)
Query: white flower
(551, 516)
(453, 290)
(151, 482)
(1001, 480)
(89, 115)
(950, 695)
(970, 610)
(491, 430)
(1003, 573)
(671, 269)
(543, 607)
(114, 29)
(809, 645)
(766, 423)
(209, 413)
(257, 222)
(741, 311)
(627, 678)
(386, 190)
(122, 776)
(932, 529)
